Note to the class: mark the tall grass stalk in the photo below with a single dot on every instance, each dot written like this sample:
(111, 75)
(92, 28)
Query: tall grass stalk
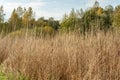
(63, 57)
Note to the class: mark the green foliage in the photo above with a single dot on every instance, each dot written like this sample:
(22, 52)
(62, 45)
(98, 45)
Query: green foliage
(43, 31)
(11, 76)
(95, 18)
(92, 19)
(28, 20)
(48, 30)
(69, 21)
(1, 14)
(14, 21)
(53, 23)
(18, 33)
(41, 22)
(37, 31)
(117, 18)
(3, 76)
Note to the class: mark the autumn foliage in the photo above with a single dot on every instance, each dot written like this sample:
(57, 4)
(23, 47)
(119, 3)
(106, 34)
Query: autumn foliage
(84, 45)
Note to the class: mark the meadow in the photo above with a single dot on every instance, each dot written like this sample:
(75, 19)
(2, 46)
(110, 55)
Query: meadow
(62, 57)
(84, 44)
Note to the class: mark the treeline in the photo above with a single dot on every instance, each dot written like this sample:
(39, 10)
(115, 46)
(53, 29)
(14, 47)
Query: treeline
(92, 19)
(22, 18)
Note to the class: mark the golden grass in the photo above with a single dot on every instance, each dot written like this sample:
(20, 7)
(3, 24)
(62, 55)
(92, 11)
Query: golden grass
(63, 57)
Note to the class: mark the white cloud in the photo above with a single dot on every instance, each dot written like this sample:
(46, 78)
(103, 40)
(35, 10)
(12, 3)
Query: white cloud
(56, 14)
(37, 6)
(10, 5)
(43, 8)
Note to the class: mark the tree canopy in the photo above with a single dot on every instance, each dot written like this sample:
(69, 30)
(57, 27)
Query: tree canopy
(91, 19)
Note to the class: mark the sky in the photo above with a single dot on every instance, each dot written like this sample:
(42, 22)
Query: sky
(52, 8)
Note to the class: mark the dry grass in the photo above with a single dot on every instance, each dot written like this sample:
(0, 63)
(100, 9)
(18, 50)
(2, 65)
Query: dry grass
(64, 57)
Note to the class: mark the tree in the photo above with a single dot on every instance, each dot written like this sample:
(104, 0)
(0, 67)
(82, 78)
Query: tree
(116, 22)
(107, 17)
(90, 19)
(1, 14)
(40, 22)
(1, 18)
(69, 21)
(96, 19)
(28, 18)
(14, 21)
(20, 11)
(53, 23)
(99, 11)
(96, 4)
(109, 8)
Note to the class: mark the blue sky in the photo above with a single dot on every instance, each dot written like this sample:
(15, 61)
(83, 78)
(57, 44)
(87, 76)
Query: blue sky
(52, 8)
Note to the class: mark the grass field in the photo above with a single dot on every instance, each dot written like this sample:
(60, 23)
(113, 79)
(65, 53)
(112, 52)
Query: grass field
(63, 57)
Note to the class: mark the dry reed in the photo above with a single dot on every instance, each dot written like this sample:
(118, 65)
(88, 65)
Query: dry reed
(63, 57)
